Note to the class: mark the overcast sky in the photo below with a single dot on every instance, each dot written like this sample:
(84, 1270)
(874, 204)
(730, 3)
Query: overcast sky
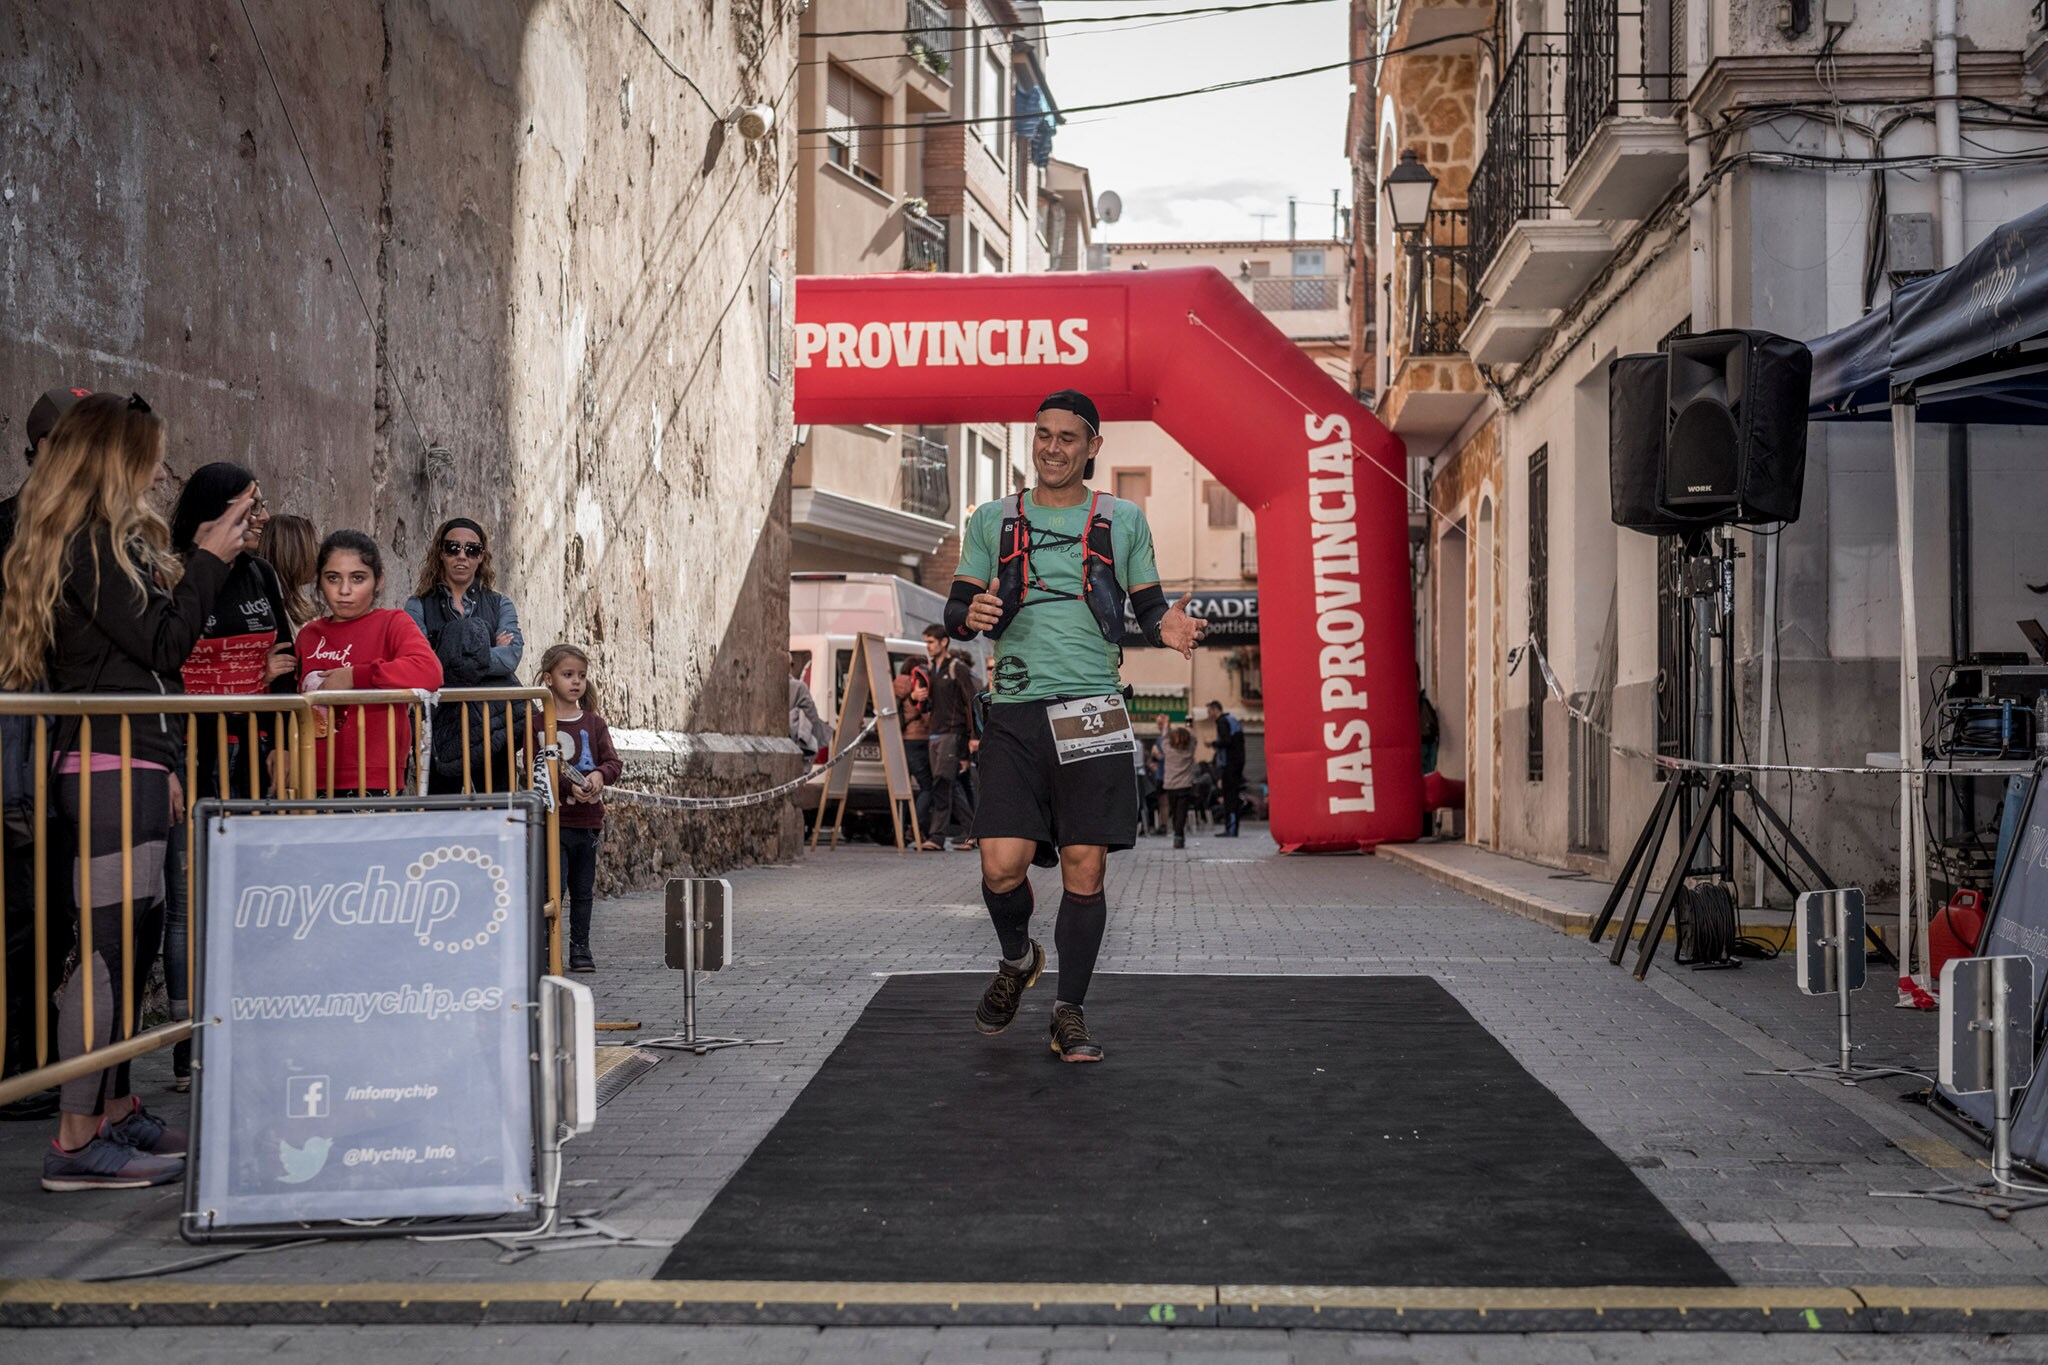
(1200, 168)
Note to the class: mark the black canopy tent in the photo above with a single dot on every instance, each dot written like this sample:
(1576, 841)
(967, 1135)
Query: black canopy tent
(1970, 346)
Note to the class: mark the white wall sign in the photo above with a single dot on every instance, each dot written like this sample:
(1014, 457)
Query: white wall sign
(366, 993)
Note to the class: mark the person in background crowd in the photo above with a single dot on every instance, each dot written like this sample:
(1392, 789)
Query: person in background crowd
(90, 608)
(914, 708)
(17, 794)
(951, 720)
(1431, 729)
(964, 794)
(291, 546)
(473, 630)
(359, 646)
(806, 727)
(1152, 808)
(1228, 748)
(589, 764)
(246, 646)
(1177, 748)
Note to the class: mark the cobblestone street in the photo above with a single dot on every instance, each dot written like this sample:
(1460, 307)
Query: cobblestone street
(1771, 1175)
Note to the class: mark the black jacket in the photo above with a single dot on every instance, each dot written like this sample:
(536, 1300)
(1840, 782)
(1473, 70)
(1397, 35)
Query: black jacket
(110, 637)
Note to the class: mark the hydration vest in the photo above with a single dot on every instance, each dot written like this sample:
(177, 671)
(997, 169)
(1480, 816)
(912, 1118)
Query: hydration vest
(1099, 586)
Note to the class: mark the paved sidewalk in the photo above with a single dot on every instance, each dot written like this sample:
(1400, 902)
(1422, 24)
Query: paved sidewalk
(1771, 1174)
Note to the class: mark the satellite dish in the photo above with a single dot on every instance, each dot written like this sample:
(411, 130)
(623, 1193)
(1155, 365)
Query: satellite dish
(1109, 206)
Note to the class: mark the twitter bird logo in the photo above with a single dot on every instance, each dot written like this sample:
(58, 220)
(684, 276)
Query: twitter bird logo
(303, 1163)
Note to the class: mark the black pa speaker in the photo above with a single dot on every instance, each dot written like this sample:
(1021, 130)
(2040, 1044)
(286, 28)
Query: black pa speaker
(1635, 444)
(1735, 434)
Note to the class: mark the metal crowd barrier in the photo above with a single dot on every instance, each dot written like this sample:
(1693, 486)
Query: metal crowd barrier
(294, 772)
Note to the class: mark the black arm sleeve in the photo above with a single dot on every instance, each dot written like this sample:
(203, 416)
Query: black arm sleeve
(956, 610)
(1148, 604)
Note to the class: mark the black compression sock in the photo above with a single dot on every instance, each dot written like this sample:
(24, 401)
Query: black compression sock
(1078, 936)
(1011, 912)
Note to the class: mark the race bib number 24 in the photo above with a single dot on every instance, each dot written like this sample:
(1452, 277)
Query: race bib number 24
(1089, 727)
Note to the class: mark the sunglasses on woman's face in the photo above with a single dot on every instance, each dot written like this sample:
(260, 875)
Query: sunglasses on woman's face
(468, 549)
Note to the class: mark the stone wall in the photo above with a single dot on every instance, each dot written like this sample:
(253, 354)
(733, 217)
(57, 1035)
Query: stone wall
(414, 258)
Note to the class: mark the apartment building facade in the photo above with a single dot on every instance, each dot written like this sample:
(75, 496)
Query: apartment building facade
(1609, 176)
(935, 155)
(1203, 536)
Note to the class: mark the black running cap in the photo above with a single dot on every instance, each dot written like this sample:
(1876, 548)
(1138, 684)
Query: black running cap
(1078, 403)
(51, 406)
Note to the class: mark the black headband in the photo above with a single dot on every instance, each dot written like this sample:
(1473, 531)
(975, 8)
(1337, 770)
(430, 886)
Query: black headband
(1078, 403)
(465, 524)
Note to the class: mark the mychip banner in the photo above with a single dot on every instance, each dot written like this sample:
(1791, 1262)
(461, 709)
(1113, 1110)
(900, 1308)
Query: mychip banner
(366, 1003)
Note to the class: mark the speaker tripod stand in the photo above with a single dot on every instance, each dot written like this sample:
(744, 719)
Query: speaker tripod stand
(1696, 801)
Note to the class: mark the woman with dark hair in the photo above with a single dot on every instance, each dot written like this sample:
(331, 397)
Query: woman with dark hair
(245, 647)
(97, 603)
(473, 630)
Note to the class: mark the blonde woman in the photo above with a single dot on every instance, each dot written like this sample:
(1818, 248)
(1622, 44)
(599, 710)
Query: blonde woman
(96, 602)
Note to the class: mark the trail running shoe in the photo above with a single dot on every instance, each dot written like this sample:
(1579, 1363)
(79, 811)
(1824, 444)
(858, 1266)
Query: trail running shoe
(104, 1164)
(999, 1002)
(145, 1132)
(1070, 1036)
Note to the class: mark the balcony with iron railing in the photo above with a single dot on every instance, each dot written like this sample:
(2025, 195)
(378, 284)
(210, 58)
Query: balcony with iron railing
(1531, 257)
(1516, 178)
(1441, 285)
(926, 482)
(1297, 293)
(1624, 145)
(924, 242)
(928, 36)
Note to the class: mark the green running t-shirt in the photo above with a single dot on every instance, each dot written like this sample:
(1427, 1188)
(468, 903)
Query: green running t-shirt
(1053, 647)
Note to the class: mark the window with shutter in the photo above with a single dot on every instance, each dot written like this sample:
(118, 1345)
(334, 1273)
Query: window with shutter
(1133, 485)
(1222, 505)
(851, 110)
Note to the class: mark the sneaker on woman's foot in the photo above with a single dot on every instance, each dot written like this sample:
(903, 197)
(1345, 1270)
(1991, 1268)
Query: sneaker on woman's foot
(104, 1164)
(145, 1132)
(1070, 1036)
(580, 960)
(999, 1002)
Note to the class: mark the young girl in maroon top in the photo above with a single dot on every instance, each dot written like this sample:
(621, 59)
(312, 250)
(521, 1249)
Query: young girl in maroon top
(361, 647)
(589, 764)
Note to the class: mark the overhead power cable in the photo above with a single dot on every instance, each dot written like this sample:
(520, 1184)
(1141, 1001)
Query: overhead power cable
(1079, 19)
(972, 45)
(681, 75)
(1147, 99)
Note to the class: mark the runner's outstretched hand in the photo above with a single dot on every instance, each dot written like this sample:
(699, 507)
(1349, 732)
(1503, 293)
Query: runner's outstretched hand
(1178, 630)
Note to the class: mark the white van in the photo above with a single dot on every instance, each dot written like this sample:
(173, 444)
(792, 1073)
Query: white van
(826, 612)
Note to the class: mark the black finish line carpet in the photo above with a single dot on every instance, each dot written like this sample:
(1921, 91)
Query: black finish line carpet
(1244, 1129)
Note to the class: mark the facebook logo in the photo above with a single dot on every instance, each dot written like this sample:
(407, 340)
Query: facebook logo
(305, 1097)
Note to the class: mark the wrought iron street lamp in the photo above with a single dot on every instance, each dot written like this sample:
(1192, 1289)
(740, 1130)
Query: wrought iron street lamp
(1409, 189)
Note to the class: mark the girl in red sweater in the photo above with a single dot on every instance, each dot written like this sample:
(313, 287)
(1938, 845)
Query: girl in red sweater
(357, 646)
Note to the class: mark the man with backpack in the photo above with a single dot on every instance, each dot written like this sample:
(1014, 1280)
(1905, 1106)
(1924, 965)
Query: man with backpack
(1046, 573)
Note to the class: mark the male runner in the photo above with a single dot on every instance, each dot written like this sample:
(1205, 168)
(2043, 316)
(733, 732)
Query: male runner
(1045, 571)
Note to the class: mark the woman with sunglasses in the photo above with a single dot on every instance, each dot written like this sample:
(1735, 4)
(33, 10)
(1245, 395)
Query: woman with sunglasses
(474, 631)
(97, 603)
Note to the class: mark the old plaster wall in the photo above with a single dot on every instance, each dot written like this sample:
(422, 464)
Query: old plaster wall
(553, 296)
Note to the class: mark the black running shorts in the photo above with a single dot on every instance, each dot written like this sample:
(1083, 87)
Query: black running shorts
(1023, 791)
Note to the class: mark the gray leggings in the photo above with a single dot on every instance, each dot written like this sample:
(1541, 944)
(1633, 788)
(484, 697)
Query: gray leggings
(151, 825)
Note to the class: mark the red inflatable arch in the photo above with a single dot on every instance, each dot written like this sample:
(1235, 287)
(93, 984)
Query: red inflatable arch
(1185, 349)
